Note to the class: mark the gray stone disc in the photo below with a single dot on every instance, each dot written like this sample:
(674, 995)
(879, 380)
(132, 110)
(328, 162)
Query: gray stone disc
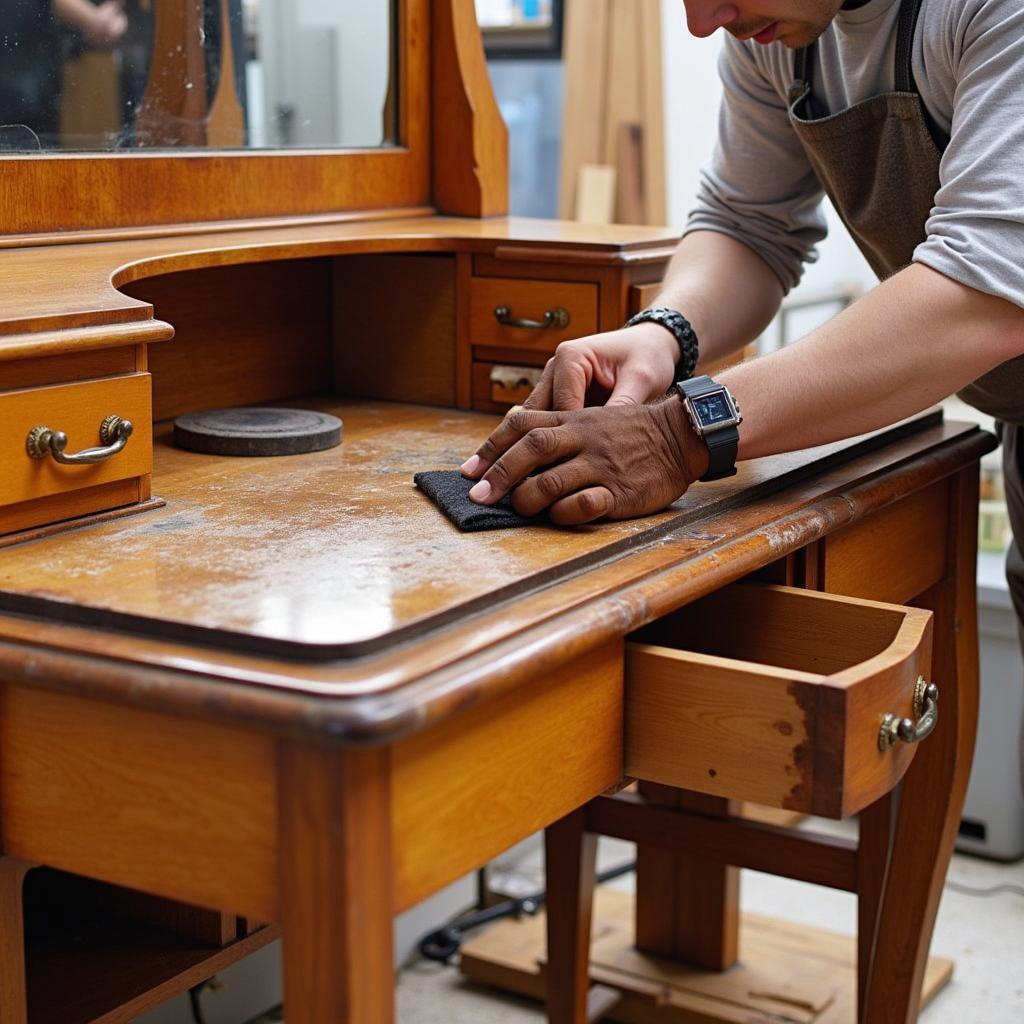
(257, 431)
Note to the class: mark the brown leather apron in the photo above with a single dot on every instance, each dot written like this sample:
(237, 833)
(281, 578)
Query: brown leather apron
(878, 162)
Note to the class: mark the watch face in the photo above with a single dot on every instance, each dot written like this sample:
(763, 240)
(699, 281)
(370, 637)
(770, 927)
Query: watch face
(712, 409)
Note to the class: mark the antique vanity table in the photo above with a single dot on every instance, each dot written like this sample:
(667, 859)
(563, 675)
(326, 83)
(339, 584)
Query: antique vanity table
(289, 691)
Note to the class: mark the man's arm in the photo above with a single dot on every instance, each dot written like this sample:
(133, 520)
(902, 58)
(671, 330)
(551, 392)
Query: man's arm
(909, 343)
(915, 339)
(729, 295)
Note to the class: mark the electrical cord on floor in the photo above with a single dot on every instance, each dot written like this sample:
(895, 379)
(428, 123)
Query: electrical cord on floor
(443, 944)
(995, 890)
(193, 997)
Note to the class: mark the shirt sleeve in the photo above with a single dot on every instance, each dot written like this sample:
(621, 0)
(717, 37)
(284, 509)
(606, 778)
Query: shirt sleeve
(975, 232)
(759, 186)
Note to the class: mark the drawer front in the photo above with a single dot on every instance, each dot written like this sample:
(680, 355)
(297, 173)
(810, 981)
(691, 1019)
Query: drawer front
(531, 301)
(776, 696)
(77, 410)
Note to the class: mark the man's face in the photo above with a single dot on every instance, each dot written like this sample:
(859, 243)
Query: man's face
(795, 23)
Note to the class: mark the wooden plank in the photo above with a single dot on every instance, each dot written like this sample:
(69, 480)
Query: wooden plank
(788, 971)
(138, 799)
(243, 335)
(560, 739)
(407, 355)
(586, 59)
(13, 990)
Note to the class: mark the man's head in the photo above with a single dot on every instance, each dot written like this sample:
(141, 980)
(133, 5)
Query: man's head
(795, 23)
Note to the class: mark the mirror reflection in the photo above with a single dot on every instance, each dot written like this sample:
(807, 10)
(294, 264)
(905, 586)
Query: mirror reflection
(107, 75)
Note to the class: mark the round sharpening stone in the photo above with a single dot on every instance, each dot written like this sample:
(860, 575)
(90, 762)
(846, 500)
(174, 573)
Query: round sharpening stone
(257, 431)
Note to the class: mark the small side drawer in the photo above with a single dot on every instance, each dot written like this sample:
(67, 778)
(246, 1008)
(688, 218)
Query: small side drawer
(530, 301)
(496, 387)
(77, 410)
(776, 696)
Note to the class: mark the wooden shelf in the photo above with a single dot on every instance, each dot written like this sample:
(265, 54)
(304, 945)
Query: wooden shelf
(88, 963)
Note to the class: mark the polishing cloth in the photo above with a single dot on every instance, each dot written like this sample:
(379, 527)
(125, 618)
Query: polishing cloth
(449, 491)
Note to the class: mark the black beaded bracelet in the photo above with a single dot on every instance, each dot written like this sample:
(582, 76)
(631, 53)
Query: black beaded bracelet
(681, 330)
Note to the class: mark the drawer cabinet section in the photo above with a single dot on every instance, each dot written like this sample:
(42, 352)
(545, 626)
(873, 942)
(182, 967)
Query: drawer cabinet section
(529, 316)
(78, 411)
(779, 696)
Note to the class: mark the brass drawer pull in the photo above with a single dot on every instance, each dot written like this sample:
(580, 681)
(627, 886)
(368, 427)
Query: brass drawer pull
(904, 730)
(557, 317)
(43, 442)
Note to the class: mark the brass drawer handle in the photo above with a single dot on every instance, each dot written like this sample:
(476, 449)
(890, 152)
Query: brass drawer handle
(557, 317)
(904, 730)
(43, 442)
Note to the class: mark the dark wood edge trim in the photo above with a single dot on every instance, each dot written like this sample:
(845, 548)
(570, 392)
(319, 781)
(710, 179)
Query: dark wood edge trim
(209, 227)
(805, 856)
(66, 525)
(545, 647)
(35, 344)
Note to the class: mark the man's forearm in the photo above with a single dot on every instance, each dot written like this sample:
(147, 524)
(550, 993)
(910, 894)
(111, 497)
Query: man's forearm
(909, 343)
(723, 288)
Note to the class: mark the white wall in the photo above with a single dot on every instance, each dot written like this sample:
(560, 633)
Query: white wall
(692, 94)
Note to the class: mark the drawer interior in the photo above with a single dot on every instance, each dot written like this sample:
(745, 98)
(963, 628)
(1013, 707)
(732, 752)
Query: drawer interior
(779, 626)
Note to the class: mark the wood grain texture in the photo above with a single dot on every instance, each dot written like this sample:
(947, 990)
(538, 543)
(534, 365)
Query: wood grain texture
(537, 753)
(395, 351)
(77, 409)
(869, 559)
(74, 366)
(335, 879)
(13, 989)
(469, 137)
(137, 799)
(787, 713)
(66, 508)
(244, 335)
(529, 300)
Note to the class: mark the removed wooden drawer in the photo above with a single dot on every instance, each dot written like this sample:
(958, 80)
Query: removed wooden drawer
(779, 696)
(532, 315)
(78, 411)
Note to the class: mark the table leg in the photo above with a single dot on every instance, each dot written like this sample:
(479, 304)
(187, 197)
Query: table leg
(13, 997)
(687, 910)
(336, 884)
(933, 790)
(571, 858)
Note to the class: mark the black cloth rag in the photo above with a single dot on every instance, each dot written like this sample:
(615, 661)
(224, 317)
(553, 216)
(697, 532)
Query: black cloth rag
(448, 489)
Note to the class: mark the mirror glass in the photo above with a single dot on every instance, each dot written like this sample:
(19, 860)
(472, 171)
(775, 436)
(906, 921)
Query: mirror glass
(112, 75)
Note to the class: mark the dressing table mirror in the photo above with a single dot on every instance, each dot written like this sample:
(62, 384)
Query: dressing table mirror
(250, 698)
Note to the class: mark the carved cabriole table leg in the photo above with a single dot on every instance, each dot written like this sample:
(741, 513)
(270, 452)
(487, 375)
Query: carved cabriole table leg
(13, 1000)
(933, 790)
(336, 885)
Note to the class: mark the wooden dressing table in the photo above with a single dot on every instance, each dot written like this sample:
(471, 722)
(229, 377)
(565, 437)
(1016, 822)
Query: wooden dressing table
(288, 689)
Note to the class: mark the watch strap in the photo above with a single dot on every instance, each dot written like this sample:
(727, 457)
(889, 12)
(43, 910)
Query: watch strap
(681, 329)
(723, 444)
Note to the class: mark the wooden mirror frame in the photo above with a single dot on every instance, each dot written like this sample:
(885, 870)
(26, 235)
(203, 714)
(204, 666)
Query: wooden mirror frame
(453, 157)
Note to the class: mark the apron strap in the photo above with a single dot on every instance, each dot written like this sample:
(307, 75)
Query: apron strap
(909, 11)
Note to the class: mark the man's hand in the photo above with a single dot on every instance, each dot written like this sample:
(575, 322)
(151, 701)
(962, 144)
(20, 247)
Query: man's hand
(626, 367)
(613, 462)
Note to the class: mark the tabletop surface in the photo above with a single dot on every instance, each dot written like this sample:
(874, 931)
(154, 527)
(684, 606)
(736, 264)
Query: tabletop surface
(333, 554)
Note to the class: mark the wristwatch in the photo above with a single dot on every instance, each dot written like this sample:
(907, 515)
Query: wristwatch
(681, 329)
(715, 416)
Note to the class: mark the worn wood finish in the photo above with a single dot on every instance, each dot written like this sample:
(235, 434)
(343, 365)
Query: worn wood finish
(244, 335)
(469, 137)
(335, 881)
(13, 989)
(395, 351)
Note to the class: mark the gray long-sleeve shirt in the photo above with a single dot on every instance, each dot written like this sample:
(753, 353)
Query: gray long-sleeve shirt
(968, 62)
